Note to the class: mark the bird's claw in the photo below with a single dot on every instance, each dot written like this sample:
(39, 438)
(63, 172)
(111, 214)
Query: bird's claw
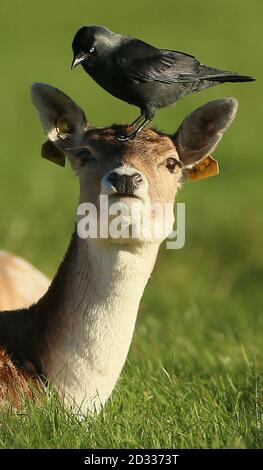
(126, 138)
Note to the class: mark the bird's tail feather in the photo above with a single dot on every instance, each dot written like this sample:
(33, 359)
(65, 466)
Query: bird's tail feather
(230, 78)
(215, 75)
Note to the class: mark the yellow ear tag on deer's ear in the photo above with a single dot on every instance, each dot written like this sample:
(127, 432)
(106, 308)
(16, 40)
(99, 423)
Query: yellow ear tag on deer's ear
(63, 126)
(52, 153)
(203, 169)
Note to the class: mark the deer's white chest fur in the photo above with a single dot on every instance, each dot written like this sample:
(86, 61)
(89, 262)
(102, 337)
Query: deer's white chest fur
(99, 313)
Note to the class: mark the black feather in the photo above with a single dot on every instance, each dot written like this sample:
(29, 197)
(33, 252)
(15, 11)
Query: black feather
(232, 78)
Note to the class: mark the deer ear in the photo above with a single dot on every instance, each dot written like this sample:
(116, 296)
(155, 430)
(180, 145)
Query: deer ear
(59, 115)
(201, 131)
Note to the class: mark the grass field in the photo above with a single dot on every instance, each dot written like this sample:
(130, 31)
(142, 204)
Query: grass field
(194, 373)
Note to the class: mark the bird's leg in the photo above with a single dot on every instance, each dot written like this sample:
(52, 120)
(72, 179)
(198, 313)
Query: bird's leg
(133, 134)
(138, 119)
(147, 117)
(139, 129)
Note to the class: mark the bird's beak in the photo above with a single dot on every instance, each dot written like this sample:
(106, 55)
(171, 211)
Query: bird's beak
(78, 59)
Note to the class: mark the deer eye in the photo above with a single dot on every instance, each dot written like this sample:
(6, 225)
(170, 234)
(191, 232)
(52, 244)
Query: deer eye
(92, 49)
(86, 158)
(171, 163)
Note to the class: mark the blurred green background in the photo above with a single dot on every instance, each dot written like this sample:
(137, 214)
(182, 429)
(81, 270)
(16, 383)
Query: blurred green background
(208, 296)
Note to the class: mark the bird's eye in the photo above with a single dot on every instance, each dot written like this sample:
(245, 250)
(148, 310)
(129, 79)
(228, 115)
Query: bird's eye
(92, 49)
(170, 164)
(86, 158)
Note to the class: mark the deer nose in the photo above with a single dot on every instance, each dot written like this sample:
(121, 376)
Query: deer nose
(125, 184)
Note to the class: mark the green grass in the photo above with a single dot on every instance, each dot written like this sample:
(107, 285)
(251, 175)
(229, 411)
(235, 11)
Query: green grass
(194, 373)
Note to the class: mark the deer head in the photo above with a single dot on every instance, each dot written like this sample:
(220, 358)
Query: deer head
(149, 168)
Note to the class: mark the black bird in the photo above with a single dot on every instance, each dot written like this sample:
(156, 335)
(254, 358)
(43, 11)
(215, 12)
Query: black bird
(141, 74)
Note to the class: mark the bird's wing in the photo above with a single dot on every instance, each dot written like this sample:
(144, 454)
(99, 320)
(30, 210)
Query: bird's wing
(140, 61)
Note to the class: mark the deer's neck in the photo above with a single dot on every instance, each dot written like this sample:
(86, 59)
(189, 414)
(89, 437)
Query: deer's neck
(92, 307)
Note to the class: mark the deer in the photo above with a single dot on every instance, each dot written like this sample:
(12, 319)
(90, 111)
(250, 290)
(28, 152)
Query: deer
(21, 284)
(77, 336)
